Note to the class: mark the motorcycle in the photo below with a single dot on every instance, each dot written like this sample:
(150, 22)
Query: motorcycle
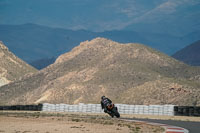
(112, 110)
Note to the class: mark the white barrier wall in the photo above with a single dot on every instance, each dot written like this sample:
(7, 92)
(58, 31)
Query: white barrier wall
(122, 108)
(144, 109)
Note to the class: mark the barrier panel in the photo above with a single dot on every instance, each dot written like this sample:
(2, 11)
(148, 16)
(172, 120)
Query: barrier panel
(169, 110)
(122, 108)
(187, 110)
(23, 107)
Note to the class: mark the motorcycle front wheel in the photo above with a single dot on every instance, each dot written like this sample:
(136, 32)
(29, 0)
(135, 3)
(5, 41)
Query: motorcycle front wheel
(115, 112)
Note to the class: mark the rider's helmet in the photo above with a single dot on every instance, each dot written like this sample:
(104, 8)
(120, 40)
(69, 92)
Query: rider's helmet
(103, 97)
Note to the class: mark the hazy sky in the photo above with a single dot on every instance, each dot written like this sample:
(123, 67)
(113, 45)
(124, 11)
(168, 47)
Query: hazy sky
(100, 15)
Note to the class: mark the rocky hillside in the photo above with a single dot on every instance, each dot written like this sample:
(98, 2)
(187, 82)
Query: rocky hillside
(189, 54)
(11, 67)
(42, 42)
(127, 73)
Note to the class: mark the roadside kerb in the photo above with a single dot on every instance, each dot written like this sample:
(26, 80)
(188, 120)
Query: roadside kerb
(168, 128)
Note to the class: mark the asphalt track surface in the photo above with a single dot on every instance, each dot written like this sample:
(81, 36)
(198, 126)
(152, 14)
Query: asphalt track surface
(193, 127)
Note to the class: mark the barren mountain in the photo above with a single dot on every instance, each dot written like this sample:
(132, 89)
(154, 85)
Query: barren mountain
(39, 41)
(127, 73)
(11, 67)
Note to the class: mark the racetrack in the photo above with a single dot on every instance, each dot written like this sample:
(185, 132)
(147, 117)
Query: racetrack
(99, 121)
(193, 127)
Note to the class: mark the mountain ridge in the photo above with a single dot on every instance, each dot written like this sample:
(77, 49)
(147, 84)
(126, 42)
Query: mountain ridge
(33, 42)
(11, 67)
(127, 73)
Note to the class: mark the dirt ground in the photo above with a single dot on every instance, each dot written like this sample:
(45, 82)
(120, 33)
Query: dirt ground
(37, 122)
(52, 125)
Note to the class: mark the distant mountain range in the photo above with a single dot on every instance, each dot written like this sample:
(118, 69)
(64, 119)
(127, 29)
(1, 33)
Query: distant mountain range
(33, 42)
(42, 63)
(173, 17)
(190, 54)
(11, 67)
(127, 73)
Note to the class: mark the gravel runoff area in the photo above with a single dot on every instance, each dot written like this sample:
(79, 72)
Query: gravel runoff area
(48, 122)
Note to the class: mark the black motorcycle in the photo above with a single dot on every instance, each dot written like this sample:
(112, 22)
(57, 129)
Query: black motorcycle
(112, 110)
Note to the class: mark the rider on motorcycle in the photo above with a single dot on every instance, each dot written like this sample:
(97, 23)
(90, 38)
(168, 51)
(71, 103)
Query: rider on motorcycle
(104, 103)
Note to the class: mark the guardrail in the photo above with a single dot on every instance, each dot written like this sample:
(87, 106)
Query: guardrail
(169, 110)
